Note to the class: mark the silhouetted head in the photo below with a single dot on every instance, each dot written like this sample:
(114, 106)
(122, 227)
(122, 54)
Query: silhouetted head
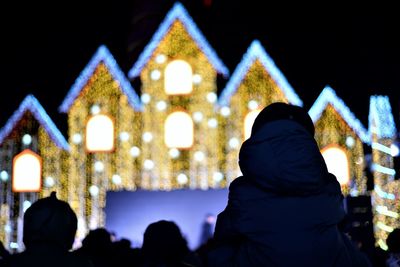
(393, 241)
(283, 111)
(210, 218)
(50, 220)
(98, 239)
(163, 241)
(125, 243)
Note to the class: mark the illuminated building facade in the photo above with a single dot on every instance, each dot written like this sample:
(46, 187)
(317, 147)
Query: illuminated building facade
(178, 132)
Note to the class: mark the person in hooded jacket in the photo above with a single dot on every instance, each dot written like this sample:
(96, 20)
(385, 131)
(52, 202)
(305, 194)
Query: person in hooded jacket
(285, 209)
(48, 234)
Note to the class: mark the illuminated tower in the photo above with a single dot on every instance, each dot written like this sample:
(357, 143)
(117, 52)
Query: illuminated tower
(104, 125)
(340, 136)
(386, 190)
(178, 71)
(33, 152)
(255, 83)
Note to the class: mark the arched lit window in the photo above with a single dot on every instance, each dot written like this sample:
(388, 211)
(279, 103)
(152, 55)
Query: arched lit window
(337, 163)
(100, 134)
(178, 78)
(179, 130)
(249, 121)
(27, 172)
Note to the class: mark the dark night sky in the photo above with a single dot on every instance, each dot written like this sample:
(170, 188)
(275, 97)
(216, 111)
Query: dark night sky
(44, 48)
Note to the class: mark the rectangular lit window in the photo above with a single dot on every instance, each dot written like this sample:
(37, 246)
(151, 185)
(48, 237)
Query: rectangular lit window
(27, 172)
(178, 78)
(249, 121)
(100, 134)
(179, 130)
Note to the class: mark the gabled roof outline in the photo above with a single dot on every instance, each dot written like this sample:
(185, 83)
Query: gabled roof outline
(178, 12)
(254, 52)
(328, 96)
(102, 55)
(380, 112)
(31, 104)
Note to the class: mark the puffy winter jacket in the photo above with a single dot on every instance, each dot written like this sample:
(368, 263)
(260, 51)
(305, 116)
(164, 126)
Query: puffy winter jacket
(285, 208)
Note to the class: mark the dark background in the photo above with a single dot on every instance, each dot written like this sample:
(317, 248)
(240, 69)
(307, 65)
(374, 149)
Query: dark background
(355, 50)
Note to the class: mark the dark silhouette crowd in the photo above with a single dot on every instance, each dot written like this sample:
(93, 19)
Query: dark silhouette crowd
(286, 210)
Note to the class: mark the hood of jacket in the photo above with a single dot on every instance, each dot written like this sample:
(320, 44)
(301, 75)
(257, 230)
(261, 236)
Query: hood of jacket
(284, 158)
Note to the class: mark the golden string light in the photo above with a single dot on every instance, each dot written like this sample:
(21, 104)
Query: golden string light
(331, 129)
(140, 157)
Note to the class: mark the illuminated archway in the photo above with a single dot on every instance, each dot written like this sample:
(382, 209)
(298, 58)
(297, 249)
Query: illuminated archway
(100, 134)
(178, 130)
(249, 121)
(27, 172)
(178, 78)
(337, 162)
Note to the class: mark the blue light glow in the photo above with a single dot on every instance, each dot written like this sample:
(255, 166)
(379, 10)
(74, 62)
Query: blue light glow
(254, 52)
(178, 12)
(102, 55)
(381, 148)
(384, 194)
(380, 117)
(31, 104)
(382, 169)
(328, 96)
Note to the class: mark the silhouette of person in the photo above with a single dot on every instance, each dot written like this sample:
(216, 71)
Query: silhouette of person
(393, 243)
(164, 245)
(4, 254)
(124, 254)
(96, 247)
(285, 209)
(207, 229)
(49, 232)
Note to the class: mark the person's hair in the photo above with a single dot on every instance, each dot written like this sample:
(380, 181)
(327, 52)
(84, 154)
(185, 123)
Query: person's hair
(50, 220)
(283, 111)
(97, 239)
(163, 242)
